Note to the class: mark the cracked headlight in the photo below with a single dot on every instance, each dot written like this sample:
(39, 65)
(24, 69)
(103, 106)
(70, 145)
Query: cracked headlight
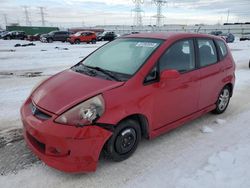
(84, 113)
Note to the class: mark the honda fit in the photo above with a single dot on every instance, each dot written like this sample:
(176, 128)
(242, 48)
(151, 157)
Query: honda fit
(140, 85)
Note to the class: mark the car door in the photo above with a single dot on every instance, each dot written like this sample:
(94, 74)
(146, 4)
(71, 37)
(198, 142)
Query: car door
(88, 36)
(15, 35)
(211, 72)
(65, 35)
(56, 36)
(62, 36)
(83, 37)
(176, 98)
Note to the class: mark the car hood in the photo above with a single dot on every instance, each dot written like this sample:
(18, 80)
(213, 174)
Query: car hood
(5, 34)
(45, 35)
(68, 88)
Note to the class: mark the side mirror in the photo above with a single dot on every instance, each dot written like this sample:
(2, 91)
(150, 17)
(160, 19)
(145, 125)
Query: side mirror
(170, 74)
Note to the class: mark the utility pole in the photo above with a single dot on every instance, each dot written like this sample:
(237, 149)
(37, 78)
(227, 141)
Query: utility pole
(159, 4)
(26, 12)
(5, 19)
(42, 15)
(138, 12)
(228, 12)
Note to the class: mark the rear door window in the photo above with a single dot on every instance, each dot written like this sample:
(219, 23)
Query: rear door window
(207, 52)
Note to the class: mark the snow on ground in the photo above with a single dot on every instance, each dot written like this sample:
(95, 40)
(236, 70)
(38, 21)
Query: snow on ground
(15, 62)
(185, 157)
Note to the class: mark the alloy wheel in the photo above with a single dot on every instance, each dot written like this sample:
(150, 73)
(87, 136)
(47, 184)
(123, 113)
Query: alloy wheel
(224, 99)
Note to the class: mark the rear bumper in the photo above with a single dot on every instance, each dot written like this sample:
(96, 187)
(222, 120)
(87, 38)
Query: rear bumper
(63, 147)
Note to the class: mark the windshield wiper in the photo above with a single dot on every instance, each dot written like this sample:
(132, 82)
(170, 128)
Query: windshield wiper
(110, 74)
(83, 69)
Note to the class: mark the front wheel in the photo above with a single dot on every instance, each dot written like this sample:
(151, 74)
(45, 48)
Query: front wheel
(223, 100)
(49, 40)
(124, 140)
(77, 41)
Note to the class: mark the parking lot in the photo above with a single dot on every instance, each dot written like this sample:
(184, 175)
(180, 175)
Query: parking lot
(176, 159)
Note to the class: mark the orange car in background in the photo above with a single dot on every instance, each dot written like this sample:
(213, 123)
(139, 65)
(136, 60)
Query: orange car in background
(82, 36)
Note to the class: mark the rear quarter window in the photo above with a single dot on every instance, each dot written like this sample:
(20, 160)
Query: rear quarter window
(222, 49)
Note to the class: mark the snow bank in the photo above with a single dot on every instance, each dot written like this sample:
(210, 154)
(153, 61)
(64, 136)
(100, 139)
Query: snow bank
(225, 169)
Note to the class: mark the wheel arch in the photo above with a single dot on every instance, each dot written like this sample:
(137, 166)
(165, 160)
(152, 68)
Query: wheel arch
(230, 85)
(143, 122)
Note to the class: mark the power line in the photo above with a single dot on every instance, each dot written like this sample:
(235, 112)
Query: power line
(159, 16)
(26, 12)
(42, 15)
(228, 12)
(5, 19)
(138, 12)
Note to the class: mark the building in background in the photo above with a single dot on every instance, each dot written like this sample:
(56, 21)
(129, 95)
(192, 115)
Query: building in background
(31, 30)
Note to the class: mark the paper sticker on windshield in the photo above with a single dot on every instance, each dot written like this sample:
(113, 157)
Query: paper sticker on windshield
(146, 44)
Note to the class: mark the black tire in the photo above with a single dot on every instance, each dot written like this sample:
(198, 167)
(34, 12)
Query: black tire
(124, 141)
(93, 41)
(77, 41)
(50, 40)
(223, 100)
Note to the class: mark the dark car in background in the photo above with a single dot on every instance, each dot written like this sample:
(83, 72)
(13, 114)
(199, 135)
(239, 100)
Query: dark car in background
(245, 36)
(35, 37)
(14, 35)
(107, 36)
(2, 33)
(55, 36)
(228, 37)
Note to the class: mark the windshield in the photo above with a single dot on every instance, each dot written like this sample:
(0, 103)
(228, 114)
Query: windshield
(78, 34)
(51, 32)
(124, 56)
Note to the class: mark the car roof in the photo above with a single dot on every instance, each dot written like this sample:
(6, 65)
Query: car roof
(85, 32)
(167, 35)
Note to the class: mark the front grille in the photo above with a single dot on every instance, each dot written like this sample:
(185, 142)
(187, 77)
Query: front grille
(38, 113)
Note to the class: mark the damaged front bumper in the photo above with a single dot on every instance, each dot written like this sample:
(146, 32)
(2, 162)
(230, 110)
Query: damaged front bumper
(66, 148)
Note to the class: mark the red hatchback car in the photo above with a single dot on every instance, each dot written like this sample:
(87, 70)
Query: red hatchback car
(141, 85)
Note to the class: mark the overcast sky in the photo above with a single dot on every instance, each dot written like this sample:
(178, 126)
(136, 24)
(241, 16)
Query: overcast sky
(72, 13)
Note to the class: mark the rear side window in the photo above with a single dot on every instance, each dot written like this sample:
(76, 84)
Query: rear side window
(222, 48)
(180, 57)
(207, 52)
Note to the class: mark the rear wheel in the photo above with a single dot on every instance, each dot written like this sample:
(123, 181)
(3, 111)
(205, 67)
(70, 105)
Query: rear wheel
(49, 40)
(223, 100)
(124, 140)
